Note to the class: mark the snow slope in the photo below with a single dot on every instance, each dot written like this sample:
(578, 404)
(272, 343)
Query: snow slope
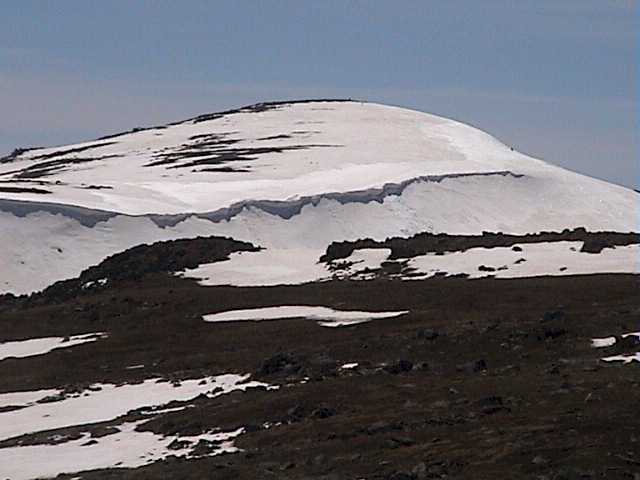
(40, 346)
(271, 174)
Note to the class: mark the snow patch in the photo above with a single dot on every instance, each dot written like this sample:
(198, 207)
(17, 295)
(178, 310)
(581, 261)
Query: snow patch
(126, 448)
(634, 357)
(603, 342)
(101, 282)
(263, 268)
(326, 317)
(365, 170)
(349, 366)
(25, 399)
(534, 259)
(104, 402)
(40, 346)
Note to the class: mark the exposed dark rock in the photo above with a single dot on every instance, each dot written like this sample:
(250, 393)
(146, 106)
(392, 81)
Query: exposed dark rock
(399, 366)
(484, 268)
(178, 444)
(281, 364)
(473, 367)
(423, 243)
(540, 398)
(142, 260)
(427, 334)
(553, 333)
(324, 412)
(552, 316)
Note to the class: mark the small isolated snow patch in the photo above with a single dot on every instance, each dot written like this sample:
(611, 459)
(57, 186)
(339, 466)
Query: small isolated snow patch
(134, 367)
(326, 317)
(349, 366)
(100, 282)
(603, 342)
(39, 346)
(610, 341)
(634, 357)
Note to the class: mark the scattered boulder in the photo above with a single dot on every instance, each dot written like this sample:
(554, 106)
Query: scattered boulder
(595, 245)
(419, 472)
(540, 460)
(554, 332)
(427, 334)
(281, 364)
(58, 397)
(473, 367)
(553, 316)
(295, 414)
(492, 404)
(399, 441)
(401, 476)
(382, 427)
(399, 366)
(485, 268)
(178, 444)
(626, 343)
(324, 412)
(204, 448)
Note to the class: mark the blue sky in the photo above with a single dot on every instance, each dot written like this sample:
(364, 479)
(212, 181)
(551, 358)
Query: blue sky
(556, 79)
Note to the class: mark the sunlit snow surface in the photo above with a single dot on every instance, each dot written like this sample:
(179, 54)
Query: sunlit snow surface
(632, 357)
(106, 402)
(100, 403)
(39, 346)
(339, 147)
(326, 317)
(603, 342)
(23, 399)
(349, 366)
(126, 448)
(611, 341)
(554, 258)
(530, 260)
(362, 170)
(266, 267)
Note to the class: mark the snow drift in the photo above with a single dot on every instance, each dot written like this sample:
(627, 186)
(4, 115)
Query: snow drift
(286, 176)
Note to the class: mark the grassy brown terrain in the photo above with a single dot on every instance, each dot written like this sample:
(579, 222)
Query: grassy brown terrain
(482, 379)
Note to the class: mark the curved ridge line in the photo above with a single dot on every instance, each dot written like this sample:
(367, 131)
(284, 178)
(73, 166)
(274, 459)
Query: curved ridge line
(284, 209)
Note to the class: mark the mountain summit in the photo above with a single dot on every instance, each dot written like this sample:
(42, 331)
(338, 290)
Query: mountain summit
(286, 175)
(314, 289)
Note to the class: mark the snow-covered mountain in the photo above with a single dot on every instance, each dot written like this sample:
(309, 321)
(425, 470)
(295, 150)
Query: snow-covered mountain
(290, 177)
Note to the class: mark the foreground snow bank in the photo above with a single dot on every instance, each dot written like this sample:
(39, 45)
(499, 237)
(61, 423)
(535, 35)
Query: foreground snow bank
(103, 402)
(126, 448)
(123, 446)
